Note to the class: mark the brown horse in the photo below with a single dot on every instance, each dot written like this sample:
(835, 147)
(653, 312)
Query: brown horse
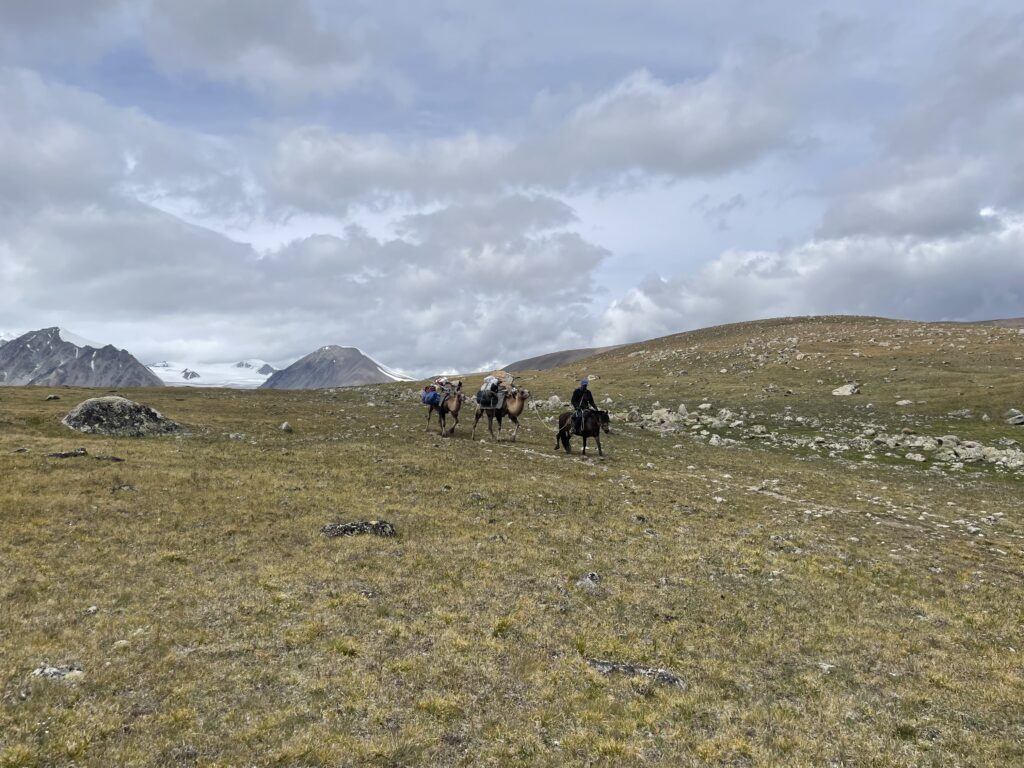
(451, 403)
(593, 423)
(512, 407)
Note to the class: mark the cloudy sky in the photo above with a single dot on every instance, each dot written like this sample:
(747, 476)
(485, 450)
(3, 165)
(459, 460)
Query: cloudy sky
(453, 184)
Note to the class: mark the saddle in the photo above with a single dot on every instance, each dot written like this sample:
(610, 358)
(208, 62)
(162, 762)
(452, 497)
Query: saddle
(577, 421)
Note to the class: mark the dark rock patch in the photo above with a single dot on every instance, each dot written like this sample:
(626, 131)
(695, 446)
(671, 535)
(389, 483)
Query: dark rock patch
(375, 527)
(657, 674)
(119, 417)
(68, 454)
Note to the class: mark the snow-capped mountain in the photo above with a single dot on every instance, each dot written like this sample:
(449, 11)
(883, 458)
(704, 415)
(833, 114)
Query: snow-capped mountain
(244, 374)
(54, 357)
(333, 366)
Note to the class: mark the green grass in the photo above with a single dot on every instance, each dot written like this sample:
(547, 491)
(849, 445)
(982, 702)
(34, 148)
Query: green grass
(822, 611)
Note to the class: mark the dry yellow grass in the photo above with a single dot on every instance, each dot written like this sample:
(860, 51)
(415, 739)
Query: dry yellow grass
(823, 611)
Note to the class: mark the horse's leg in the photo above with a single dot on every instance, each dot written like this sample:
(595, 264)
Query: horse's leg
(558, 438)
(584, 445)
(598, 439)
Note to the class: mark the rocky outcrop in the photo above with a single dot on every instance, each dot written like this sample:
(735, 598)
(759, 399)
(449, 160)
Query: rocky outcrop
(119, 417)
(45, 358)
(331, 366)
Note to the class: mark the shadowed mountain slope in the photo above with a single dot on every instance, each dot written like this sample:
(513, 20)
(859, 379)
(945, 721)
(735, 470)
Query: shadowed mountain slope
(45, 358)
(332, 366)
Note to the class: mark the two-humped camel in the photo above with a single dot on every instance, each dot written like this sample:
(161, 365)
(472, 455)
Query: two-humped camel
(451, 401)
(512, 407)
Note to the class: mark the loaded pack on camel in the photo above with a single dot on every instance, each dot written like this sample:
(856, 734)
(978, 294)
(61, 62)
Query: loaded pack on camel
(446, 398)
(499, 398)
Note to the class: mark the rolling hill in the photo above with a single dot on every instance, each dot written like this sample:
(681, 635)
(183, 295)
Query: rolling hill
(770, 575)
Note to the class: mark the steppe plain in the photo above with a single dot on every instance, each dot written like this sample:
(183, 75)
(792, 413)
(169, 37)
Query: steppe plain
(833, 579)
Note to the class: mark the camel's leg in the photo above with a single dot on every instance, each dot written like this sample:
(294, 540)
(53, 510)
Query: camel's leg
(476, 420)
(515, 431)
(490, 426)
(441, 422)
(430, 412)
(455, 423)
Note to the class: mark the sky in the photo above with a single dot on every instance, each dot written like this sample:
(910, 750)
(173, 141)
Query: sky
(454, 185)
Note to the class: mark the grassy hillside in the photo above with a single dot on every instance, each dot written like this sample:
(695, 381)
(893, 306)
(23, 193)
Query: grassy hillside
(825, 603)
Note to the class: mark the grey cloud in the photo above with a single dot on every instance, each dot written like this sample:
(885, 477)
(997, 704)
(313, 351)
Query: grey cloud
(953, 150)
(968, 276)
(283, 50)
(60, 145)
(21, 17)
(641, 125)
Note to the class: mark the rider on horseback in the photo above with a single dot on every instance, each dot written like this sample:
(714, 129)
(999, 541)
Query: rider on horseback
(582, 399)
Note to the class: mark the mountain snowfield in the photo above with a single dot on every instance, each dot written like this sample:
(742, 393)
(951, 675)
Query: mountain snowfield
(392, 373)
(64, 333)
(244, 374)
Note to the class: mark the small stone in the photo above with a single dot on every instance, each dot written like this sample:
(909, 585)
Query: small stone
(846, 390)
(286, 427)
(904, 402)
(52, 397)
(915, 457)
(69, 673)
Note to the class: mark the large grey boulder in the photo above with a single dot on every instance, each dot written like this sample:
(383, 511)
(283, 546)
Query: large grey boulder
(120, 417)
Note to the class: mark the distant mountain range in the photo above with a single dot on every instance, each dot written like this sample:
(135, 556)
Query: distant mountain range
(332, 366)
(52, 357)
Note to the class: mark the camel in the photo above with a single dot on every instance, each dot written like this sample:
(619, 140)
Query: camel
(512, 407)
(451, 403)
